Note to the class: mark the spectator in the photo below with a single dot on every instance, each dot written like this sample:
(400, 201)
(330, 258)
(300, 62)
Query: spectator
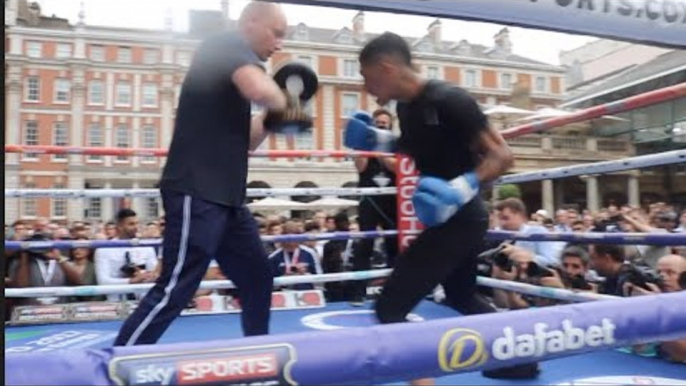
(338, 258)
(80, 231)
(82, 260)
(682, 223)
(152, 230)
(589, 222)
(274, 228)
(42, 268)
(608, 261)
(111, 230)
(578, 226)
(320, 219)
(512, 218)
(575, 262)
(313, 227)
(670, 268)
(562, 221)
(214, 273)
(20, 230)
(130, 265)
(330, 224)
(292, 259)
(40, 226)
(540, 216)
(648, 254)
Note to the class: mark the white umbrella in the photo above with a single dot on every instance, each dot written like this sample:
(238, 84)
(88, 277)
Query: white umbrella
(271, 203)
(504, 110)
(332, 203)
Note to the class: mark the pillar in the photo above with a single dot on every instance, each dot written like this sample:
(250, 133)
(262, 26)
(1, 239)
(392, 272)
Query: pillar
(634, 191)
(592, 195)
(548, 196)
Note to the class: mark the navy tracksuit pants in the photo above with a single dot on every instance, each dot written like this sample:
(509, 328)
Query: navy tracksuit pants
(197, 231)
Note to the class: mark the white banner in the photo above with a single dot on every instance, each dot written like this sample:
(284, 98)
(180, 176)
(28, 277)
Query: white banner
(656, 22)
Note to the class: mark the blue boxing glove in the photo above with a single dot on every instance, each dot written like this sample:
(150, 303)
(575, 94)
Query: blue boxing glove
(361, 135)
(436, 200)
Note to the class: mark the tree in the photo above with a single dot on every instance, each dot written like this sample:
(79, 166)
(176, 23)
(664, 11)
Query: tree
(509, 191)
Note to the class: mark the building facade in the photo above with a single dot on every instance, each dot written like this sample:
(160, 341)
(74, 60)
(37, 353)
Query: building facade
(94, 86)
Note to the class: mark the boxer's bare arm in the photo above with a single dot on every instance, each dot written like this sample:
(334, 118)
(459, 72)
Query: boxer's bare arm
(496, 156)
(257, 132)
(255, 85)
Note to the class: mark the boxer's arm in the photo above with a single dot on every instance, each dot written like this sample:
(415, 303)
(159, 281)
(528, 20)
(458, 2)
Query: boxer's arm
(390, 163)
(255, 85)
(257, 132)
(361, 164)
(496, 155)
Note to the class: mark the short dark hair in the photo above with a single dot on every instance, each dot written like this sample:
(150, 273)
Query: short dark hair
(514, 204)
(614, 251)
(382, 111)
(311, 226)
(124, 214)
(386, 44)
(575, 252)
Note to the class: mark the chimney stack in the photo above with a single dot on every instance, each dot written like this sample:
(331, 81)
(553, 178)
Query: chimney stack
(436, 32)
(503, 42)
(358, 26)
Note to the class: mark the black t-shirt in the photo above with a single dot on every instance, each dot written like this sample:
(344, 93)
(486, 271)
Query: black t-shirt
(208, 156)
(439, 128)
(376, 175)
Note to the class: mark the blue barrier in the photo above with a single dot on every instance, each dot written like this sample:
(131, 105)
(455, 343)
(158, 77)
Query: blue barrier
(374, 355)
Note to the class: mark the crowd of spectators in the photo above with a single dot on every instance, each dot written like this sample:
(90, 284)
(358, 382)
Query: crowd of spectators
(628, 270)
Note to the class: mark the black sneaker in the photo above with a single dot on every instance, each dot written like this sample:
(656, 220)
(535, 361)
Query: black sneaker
(525, 371)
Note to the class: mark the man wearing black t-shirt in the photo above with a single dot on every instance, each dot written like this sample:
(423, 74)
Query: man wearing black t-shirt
(456, 152)
(204, 181)
(375, 211)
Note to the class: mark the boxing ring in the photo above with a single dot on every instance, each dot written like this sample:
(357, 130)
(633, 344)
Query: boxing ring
(337, 344)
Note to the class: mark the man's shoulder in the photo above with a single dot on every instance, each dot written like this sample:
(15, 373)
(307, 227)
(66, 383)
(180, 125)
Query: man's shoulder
(309, 251)
(439, 90)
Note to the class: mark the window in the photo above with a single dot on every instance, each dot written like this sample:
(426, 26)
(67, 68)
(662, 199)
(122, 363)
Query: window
(123, 140)
(151, 56)
(28, 205)
(60, 137)
(471, 78)
(304, 141)
(31, 138)
(149, 141)
(183, 58)
(33, 89)
(34, 49)
(351, 104)
(541, 84)
(62, 90)
(305, 59)
(123, 94)
(149, 95)
(63, 50)
(94, 209)
(351, 68)
(433, 72)
(95, 139)
(152, 208)
(59, 205)
(124, 55)
(97, 53)
(506, 81)
(96, 92)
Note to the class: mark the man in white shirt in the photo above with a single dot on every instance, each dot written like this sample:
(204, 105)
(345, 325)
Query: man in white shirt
(130, 265)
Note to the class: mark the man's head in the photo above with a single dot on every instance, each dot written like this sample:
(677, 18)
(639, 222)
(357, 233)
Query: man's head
(385, 62)
(274, 228)
(264, 25)
(578, 226)
(312, 227)
(127, 224)
(562, 217)
(330, 223)
(383, 119)
(574, 261)
(342, 222)
(290, 228)
(111, 230)
(320, 219)
(682, 219)
(670, 268)
(21, 230)
(607, 260)
(511, 214)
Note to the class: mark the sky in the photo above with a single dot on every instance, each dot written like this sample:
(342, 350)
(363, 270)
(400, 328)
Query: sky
(535, 44)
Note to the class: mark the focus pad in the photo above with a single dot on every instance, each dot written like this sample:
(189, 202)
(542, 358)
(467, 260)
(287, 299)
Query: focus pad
(297, 79)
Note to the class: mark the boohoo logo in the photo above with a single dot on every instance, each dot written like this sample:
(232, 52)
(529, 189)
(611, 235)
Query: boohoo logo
(461, 348)
(547, 341)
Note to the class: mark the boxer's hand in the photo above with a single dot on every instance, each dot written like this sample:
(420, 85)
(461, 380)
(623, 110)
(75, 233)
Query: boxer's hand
(437, 200)
(292, 120)
(360, 135)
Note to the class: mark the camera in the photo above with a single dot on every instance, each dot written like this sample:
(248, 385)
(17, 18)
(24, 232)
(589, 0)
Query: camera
(129, 269)
(640, 276)
(293, 269)
(579, 282)
(487, 259)
(536, 271)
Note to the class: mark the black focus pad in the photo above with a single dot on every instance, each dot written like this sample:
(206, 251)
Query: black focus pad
(298, 80)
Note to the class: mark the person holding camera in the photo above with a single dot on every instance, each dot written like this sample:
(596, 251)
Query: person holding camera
(42, 268)
(130, 265)
(637, 221)
(293, 259)
(672, 271)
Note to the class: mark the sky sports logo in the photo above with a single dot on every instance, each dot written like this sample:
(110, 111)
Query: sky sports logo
(463, 348)
(258, 366)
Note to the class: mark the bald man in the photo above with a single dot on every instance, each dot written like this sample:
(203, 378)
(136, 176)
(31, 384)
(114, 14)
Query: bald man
(204, 181)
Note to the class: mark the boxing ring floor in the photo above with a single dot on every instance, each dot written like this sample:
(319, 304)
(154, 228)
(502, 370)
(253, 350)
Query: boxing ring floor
(200, 328)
